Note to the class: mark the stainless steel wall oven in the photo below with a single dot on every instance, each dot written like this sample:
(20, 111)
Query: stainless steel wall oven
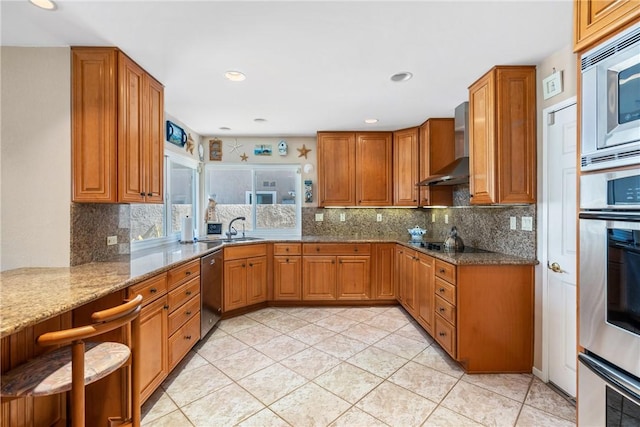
(609, 370)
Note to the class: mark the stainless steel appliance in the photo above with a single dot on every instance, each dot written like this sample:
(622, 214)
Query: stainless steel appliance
(210, 291)
(609, 296)
(610, 122)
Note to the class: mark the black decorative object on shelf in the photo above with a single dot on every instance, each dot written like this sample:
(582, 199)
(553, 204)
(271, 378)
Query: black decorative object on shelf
(175, 134)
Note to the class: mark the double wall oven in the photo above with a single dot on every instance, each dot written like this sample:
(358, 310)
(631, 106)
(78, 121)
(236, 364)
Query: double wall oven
(609, 321)
(609, 369)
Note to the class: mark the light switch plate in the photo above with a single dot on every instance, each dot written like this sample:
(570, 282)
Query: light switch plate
(433, 217)
(343, 217)
(319, 217)
(112, 240)
(527, 223)
(379, 217)
(512, 223)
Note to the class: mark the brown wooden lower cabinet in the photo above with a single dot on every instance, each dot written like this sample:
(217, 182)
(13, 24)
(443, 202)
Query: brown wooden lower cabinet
(244, 276)
(154, 333)
(287, 278)
(383, 275)
(424, 289)
(406, 260)
(319, 277)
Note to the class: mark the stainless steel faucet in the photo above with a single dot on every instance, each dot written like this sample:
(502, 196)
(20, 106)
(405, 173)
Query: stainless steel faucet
(232, 231)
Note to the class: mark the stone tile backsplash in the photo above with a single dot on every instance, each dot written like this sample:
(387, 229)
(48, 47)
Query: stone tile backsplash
(483, 227)
(91, 223)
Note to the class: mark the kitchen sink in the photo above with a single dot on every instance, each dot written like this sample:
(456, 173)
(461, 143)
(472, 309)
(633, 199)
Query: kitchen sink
(241, 239)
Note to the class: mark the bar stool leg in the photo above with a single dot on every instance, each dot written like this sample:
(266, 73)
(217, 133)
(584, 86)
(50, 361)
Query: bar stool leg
(77, 387)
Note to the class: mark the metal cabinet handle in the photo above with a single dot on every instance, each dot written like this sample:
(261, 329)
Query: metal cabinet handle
(287, 260)
(188, 293)
(355, 249)
(443, 334)
(441, 270)
(153, 290)
(441, 290)
(166, 307)
(286, 249)
(442, 309)
(188, 337)
(188, 313)
(187, 273)
(142, 194)
(149, 194)
(250, 265)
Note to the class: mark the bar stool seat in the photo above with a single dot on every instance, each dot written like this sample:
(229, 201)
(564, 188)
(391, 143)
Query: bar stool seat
(51, 373)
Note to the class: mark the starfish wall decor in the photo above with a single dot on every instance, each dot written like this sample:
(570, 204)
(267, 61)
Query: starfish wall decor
(244, 157)
(235, 147)
(303, 151)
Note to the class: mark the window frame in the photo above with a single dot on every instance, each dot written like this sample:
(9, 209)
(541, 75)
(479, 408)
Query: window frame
(262, 232)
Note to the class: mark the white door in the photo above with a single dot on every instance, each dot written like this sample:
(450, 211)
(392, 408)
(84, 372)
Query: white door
(560, 161)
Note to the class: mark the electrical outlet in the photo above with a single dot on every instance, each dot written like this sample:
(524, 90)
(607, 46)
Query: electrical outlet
(379, 217)
(433, 217)
(343, 217)
(527, 223)
(446, 219)
(319, 217)
(112, 240)
(512, 223)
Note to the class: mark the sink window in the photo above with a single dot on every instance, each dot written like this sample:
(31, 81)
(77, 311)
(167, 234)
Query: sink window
(160, 223)
(267, 195)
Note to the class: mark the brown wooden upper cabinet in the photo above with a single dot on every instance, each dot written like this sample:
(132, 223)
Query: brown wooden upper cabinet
(436, 151)
(354, 169)
(117, 129)
(405, 167)
(595, 20)
(502, 136)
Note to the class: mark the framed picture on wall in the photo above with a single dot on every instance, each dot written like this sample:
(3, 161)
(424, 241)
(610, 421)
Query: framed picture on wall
(215, 149)
(175, 134)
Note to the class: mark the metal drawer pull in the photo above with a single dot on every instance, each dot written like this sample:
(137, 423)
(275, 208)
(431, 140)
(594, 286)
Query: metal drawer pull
(153, 290)
(188, 337)
(441, 290)
(188, 313)
(188, 293)
(443, 334)
(442, 309)
(187, 273)
(442, 270)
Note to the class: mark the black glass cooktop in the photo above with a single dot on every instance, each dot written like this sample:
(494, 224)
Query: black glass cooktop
(439, 247)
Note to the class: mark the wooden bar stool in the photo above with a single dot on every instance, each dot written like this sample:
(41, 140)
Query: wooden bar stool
(74, 366)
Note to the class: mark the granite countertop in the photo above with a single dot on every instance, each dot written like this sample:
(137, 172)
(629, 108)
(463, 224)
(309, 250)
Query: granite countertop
(31, 295)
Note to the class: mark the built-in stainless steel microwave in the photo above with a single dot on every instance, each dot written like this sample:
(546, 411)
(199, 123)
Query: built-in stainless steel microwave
(610, 122)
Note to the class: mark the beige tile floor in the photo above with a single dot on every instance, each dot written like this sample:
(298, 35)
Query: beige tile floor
(356, 366)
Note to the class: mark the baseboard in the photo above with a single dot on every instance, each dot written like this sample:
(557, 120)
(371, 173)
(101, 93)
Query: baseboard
(538, 373)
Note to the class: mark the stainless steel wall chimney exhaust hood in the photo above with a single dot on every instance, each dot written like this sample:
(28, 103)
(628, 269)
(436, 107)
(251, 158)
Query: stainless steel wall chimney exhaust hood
(456, 172)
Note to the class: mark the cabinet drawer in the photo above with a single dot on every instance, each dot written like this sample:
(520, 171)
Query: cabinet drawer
(182, 273)
(445, 334)
(336, 249)
(182, 314)
(446, 291)
(245, 251)
(183, 339)
(183, 293)
(150, 289)
(446, 271)
(446, 310)
(287, 248)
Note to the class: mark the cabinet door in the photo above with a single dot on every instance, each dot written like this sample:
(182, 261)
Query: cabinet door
(131, 112)
(153, 346)
(256, 280)
(373, 169)
(596, 19)
(319, 278)
(353, 277)
(482, 141)
(408, 280)
(235, 284)
(154, 141)
(516, 134)
(436, 150)
(94, 137)
(383, 271)
(405, 167)
(425, 290)
(336, 169)
(287, 278)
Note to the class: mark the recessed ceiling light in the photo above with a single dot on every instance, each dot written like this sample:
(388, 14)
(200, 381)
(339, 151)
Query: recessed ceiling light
(235, 76)
(224, 128)
(401, 77)
(259, 120)
(370, 121)
(44, 4)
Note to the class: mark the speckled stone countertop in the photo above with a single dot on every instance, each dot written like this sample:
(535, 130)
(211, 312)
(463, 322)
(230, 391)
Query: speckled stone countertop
(31, 295)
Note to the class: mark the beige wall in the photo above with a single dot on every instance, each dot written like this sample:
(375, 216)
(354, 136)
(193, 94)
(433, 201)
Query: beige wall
(35, 144)
(292, 157)
(563, 60)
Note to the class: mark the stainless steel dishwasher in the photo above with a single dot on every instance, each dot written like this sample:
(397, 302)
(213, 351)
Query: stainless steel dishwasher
(210, 291)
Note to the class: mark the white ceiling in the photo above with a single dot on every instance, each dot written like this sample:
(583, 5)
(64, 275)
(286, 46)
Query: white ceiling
(310, 65)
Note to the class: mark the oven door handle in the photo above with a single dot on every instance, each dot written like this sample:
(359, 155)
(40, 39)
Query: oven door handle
(614, 377)
(610, 216)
